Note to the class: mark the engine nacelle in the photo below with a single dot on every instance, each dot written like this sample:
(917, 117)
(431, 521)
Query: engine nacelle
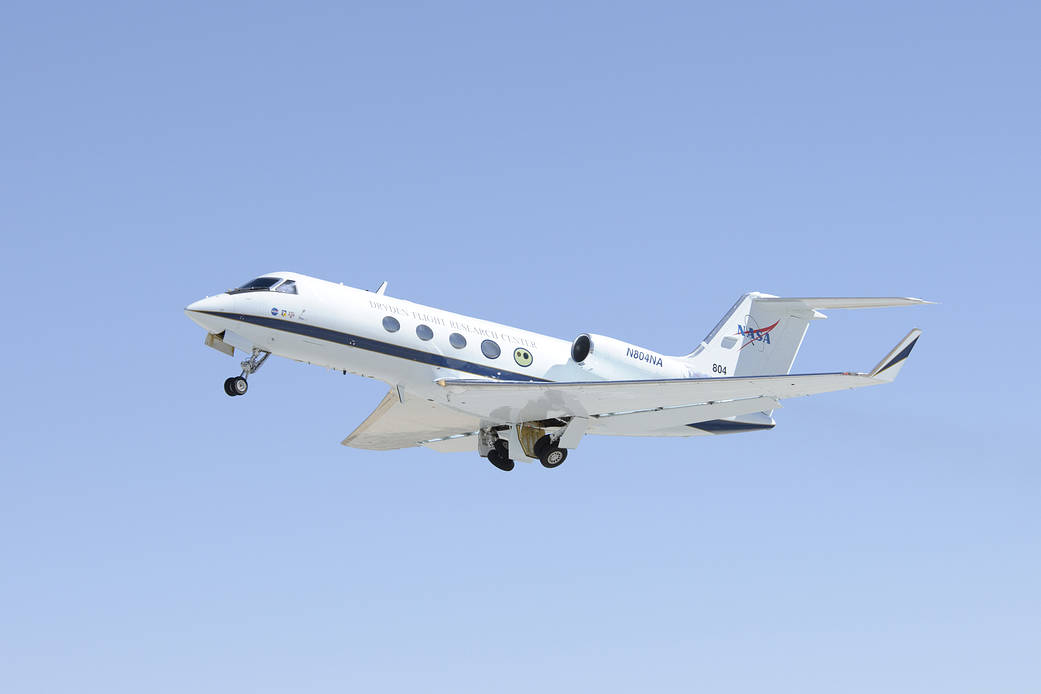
(613, 359)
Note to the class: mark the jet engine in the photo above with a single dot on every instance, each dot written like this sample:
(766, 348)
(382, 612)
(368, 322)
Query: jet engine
(613, 359)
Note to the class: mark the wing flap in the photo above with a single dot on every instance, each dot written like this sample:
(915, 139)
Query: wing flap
(461, 443)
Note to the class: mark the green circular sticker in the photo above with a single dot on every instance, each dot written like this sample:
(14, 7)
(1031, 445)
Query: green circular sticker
(522, 357)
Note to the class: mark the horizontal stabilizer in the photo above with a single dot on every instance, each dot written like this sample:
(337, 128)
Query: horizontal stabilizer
(828, 302)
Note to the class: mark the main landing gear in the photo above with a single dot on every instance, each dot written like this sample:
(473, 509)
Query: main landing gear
(499, 456)
(236, 385)
(498, 450)
(548, 453)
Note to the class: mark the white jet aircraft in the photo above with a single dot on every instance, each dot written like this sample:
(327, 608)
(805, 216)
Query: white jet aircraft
(465, 384)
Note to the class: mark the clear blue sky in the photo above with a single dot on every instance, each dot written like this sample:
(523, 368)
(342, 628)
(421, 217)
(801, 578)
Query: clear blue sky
(626, 169)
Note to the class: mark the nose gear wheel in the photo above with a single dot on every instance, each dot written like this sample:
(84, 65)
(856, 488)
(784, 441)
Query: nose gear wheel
(236, 385)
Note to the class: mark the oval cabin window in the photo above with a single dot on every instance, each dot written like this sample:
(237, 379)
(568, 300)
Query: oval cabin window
(490, 349)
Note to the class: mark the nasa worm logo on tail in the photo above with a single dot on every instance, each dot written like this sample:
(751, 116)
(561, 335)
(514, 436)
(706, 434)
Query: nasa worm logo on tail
(752, 333)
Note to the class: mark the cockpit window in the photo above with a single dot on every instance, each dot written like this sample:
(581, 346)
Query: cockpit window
(287, 287)
(258, 285)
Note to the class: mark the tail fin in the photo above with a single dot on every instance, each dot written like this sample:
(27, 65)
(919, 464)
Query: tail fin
(762, 333)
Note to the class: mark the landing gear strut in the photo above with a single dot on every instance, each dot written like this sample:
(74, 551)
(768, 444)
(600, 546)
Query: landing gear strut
(236, 385)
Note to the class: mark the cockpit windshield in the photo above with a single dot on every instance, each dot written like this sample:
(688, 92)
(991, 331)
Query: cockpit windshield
(287, 287)
(260, 284)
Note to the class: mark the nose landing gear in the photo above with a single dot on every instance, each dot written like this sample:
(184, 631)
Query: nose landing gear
(236, 385)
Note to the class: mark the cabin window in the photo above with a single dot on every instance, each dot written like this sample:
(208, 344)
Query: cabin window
(490, 349)
(391, 324)
(457, 340)
(287, 287)
(423, 332)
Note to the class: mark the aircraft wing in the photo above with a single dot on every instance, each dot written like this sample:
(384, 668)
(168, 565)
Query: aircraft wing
(512, 401)
(632, 407)
(403, 422)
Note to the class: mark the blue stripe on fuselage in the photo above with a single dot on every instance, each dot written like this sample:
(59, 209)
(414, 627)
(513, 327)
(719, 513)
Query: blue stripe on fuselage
(371, 345)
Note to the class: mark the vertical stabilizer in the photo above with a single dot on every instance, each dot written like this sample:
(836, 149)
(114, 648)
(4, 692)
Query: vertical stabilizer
(756, 338)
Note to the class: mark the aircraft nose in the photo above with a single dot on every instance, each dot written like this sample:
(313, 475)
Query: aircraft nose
(210, 303)
(201, 311)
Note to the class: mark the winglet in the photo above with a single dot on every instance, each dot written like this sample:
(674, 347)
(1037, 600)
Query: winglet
(891, 364)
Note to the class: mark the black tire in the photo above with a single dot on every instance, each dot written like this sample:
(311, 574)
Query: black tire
(238, 386)
(497, 458)
(540, 445)
(227, 387)
(553, 457)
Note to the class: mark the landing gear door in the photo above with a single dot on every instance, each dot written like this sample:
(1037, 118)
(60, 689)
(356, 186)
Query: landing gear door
(516, 450)
(216, 340)
(573, 432)
(237, 341)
